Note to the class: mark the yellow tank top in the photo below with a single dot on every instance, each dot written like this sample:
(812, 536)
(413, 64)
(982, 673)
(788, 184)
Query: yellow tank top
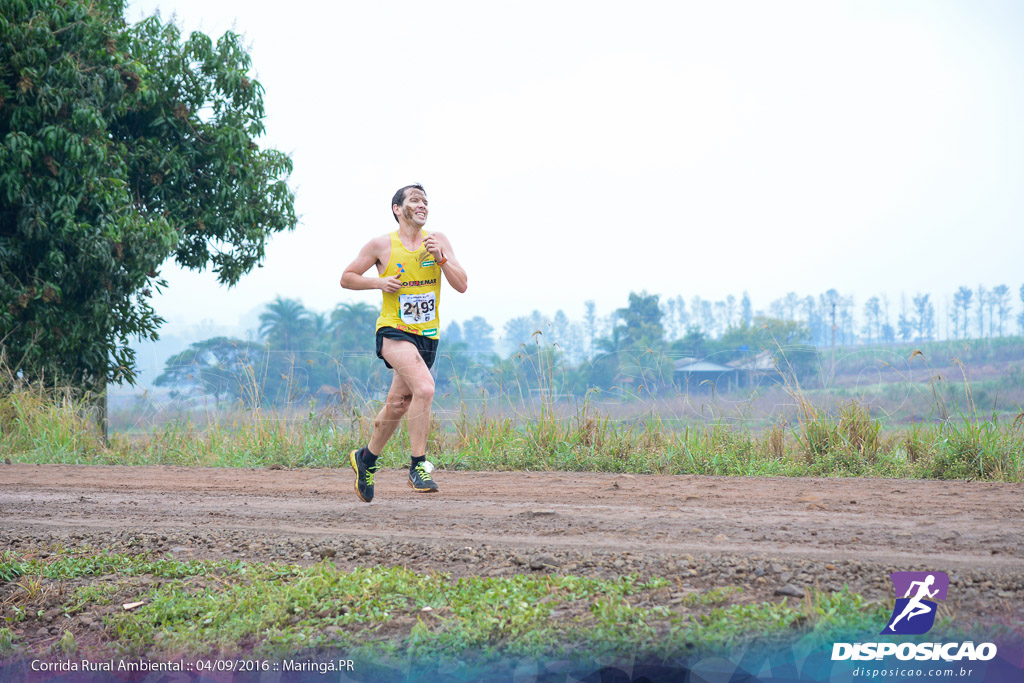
(412, 309)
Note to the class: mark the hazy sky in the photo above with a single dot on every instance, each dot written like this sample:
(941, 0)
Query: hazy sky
(580, 150)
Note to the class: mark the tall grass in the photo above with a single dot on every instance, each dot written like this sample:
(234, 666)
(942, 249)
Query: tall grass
(936, 430)
(841, 439)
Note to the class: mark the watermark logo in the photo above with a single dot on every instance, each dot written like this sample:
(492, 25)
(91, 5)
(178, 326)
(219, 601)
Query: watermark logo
(914, 614)
(915, 609)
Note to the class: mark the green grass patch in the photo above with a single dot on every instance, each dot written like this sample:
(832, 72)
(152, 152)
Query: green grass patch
(277, 610)
(7, 642)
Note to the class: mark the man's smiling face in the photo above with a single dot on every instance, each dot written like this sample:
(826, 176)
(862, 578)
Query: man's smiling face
(414, 207)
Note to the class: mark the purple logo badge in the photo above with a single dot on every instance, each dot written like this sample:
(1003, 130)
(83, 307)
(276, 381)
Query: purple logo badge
(915, 608)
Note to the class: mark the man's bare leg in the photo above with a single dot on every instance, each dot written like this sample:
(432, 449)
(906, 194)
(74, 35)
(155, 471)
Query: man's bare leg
(409, 366)
(396, 405)
(414, 374)
(364, 460)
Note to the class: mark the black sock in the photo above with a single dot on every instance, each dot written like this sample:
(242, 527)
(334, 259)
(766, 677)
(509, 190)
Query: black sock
(417, 461)
(368, 458)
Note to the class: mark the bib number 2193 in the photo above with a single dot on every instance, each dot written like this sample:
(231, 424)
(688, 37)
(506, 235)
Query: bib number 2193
(417, 308)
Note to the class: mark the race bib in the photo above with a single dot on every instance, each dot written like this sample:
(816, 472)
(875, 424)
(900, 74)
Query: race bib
(417, 308)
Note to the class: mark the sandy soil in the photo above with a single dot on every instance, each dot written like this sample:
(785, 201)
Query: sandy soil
(772, 536)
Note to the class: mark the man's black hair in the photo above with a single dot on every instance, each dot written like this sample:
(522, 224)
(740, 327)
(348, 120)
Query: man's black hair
(400, 197)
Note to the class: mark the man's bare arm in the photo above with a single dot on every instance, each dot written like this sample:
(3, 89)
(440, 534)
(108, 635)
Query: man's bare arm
(368, 257)
(440, 247)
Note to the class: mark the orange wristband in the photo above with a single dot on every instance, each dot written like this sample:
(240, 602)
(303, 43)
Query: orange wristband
(444, 260)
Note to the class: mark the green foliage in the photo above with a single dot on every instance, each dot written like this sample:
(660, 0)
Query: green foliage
(9, 569)
(7, 644)
(91, 595)
(478, 337)
(66, 646)
(218, 366)
(845, 440)
(642, 320)
(76, 565)
(764, 333)
(303, 356)
(285, 323)
(351, 327)
(289, 609)
(277, 610)
(38, 425)
(786, 340)
(968, 353)
(600, 372)
(972, 448)
(637, 348)
(120, 146)
(694, 344)
(849, 443)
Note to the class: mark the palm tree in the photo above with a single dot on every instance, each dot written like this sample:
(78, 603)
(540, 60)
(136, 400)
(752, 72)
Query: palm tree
(352, 326)
(284, 323)
(318, 324)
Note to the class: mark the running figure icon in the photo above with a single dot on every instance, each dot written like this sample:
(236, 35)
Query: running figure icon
(915, 606)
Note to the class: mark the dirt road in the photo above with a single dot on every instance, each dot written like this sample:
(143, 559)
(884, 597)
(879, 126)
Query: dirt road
(771, 536)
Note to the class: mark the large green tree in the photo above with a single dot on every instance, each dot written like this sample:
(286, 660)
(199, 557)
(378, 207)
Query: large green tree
(121, 146)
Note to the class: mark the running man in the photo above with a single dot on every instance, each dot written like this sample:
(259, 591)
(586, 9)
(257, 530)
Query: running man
(409, 264)
(915, 606)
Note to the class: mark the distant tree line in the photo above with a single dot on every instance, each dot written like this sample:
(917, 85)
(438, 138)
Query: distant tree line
(296, 354)
(969, 313)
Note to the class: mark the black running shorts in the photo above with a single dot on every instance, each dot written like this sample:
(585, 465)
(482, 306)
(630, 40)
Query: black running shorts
(425, 345)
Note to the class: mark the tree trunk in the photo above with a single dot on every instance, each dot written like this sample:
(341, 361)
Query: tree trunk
(100, 409)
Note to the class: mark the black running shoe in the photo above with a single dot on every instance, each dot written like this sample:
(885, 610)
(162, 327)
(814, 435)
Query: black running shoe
(364, 475)
(420, 481)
